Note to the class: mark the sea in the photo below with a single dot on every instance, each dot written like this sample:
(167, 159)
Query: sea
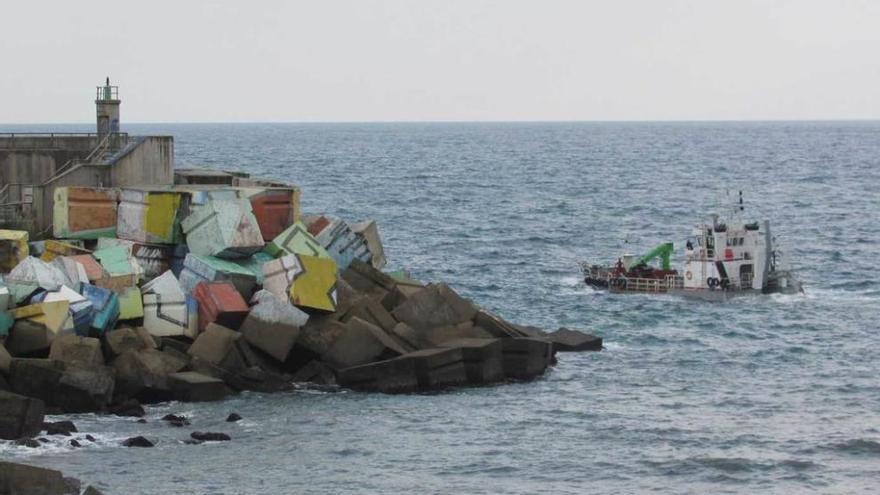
(760, 394)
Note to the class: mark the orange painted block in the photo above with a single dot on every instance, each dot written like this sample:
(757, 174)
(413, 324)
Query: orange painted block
(220, 303)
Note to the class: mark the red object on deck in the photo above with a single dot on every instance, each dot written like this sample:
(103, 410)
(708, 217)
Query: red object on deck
(728, 254)
(220, 303)
(274, 211)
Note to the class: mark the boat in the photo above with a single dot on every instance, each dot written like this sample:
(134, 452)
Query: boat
(724, 257)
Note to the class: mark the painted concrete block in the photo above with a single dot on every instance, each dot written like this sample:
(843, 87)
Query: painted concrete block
(53, 315)
(296, 240)
(80, 308)
(53, 249)
(13, 249)
(168, 311)
(369, 232)
(254, 264)
(94, 270)
(148, 216)
(198, 268)
(118, 261)
(307, 281)
(36, 273)
(131, 304)
(226, 229)
(220, 303)
(154, 259)
(339, 240)
(275, 209)
(74, 272)
(84, 212)
(106, 307)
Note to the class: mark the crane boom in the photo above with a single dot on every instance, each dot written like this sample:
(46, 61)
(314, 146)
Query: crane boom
(663, 251)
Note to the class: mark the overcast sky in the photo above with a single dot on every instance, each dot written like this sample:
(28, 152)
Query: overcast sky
(421, 60)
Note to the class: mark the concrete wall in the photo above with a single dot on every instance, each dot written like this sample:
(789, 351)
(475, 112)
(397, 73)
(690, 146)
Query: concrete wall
(149, 160)
(34, 159)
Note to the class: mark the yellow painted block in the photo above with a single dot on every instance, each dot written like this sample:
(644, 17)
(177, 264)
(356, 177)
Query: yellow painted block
(55, 316)
(315, 286)
(160, 214)
(54, 249)
(13, 249)
(28, 311)
(131, 304)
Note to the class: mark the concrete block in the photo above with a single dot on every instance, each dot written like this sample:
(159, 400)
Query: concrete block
(315, 372)
(566, 340)
(13, 249)
(296, 240)
(191, 386)
(105, 306)
(307, 281)
(153, 259)
(144, 371)
(254, 264)
(5, 360)
(274, 209)
(438, 368)
(465, 330)
(22, 479)
(94, 271)
(483, 359)
(359, 343)
(390, 376)
(367, 280)
(118, 341)
(54, 315)
(131, 304)
(496, 326)
(168, 311)
(53, 249)
(73, 350)
(221, 303)
(80, 309)
(84, 389)
(197, 268)
(36, 377)
(221, 347)
(274, 338)
(222, 228)
(120, 264)
(525, 358)
(20, 416)
(148, 216)
(28, 337)
(340, 242)
(5, 298)
(36, 273)
(320, 333)
(84, 212)
(435, 306)
(369, 232)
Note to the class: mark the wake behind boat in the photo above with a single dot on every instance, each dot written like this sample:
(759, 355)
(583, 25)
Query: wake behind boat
(723, 258)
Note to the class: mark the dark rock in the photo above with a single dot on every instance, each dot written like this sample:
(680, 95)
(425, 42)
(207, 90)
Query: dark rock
(74, 443)
(43, 440)
(361, 342)
(145, 372)
(566, 340)
(65, 428)
(90, 438)
(27, 442)
(482, 359)
(23, 479)
(20, 416)
(128, 408)
(119, 341)
(438, 368)
(137, 442)
(72, 485)
(525, 358)
(191, 441)
(315, 372)
(142, 421)
(36, 377)
(233, 417)
(191, 386)
(392, 376)
(74, 350)
(28, 337)
(90, 490)
(178, 344)
(175, 420)
(5, 360)
(84, 390)
(435, 306)
(319, 333)
(208, 436)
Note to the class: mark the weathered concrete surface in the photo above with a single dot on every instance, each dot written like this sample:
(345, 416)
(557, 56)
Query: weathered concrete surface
(148, 216)
(435, 306)
(483, 359)
(84, 212)
(390, 376)
(74, 350)
(567, 340)
(525, 358)
(144, 373)
(20, 416)
(221, 347)
(197, 268)
(167, 309)
(438, 368)
(13, 249)
(195, 387)
(226, 229)
(21, 479)
(127, 339)
(369, 232)
(360, 342)
(220, 303)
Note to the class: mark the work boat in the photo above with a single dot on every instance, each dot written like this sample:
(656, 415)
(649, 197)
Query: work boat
(722, 259)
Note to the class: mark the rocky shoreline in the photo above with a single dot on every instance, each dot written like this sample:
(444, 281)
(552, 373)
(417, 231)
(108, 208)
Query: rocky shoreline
(236, 300)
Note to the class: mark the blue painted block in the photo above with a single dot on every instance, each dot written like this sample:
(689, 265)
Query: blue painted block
(105, 306)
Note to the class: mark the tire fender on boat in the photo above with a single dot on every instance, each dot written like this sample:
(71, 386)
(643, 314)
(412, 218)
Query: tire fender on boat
(688, 275)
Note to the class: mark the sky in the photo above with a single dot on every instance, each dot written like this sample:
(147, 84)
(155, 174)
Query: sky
(444, 60)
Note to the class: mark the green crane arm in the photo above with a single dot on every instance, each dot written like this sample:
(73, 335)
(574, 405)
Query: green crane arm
(663, 251)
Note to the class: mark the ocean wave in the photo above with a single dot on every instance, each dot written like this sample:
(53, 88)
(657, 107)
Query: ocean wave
(857, 446)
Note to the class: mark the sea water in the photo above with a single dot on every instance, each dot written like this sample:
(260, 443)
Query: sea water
(771, 394)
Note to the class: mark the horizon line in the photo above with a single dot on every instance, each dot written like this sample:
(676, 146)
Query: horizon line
(441, 121)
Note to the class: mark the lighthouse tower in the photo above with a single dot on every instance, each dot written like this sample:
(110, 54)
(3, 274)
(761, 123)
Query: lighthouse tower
(107, 104)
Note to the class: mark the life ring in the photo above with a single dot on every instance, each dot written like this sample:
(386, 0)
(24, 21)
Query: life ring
(688, 275)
